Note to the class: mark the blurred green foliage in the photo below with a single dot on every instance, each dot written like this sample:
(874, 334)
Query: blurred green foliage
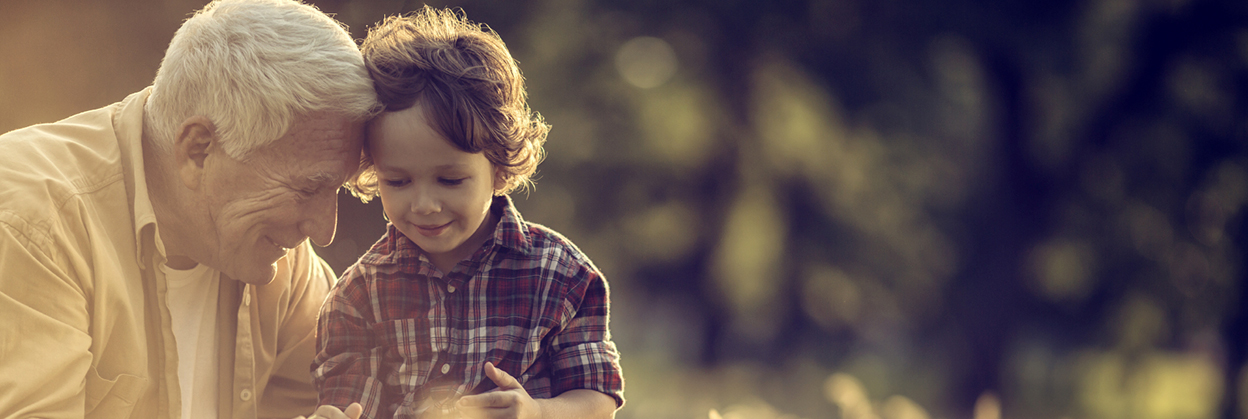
(846, 208)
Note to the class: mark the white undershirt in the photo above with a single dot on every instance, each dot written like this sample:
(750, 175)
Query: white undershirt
(193, 308)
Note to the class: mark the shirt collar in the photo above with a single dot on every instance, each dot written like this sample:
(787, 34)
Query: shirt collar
(510, 233)
(128, 126)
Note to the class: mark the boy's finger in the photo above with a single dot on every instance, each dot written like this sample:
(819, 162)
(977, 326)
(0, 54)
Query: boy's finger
(330, 412)
(354, 411)
(485, 400)
(501, 378)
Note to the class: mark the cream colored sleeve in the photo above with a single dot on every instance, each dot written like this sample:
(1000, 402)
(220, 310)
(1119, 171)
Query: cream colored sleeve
(45, 363)
(290, 391)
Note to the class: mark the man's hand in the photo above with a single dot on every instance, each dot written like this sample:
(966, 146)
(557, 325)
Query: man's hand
(508, 401)
(330, 412)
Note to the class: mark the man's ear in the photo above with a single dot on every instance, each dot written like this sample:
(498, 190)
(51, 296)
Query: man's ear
(196, 138)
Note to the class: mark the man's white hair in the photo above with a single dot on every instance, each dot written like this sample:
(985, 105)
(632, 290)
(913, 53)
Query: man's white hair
(252, 67)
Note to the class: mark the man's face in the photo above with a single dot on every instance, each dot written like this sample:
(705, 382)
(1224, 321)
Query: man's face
(278, 195)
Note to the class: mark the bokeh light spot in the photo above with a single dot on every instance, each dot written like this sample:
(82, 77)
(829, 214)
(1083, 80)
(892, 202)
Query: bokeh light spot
(747, 261)
(678, 123)
(831, 298)
(847, 392)
(901, 407)
(1141, 322)
(646, 62)
(988, 406)
(666, 232)
(1063, 269)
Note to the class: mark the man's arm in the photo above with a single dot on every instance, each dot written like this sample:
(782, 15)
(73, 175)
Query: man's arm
(45, 359)
(289, 391)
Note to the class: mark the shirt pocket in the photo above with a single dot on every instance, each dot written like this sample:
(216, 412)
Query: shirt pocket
(518, 349)
(115, 397)
(406, 347)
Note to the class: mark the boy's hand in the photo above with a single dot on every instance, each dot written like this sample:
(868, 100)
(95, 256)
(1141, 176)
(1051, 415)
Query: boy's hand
(330, 412)
(508, 401)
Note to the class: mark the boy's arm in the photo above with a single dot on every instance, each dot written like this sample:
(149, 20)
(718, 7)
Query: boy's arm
(584, 363)
(578, 404)
(345, 369)
(582, 355)
(510, 400)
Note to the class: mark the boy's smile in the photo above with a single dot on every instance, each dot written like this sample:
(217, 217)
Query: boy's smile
(432, 230)
(437, 195)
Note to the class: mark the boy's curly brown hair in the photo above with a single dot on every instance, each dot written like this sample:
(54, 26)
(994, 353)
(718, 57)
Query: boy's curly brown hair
(467, 82)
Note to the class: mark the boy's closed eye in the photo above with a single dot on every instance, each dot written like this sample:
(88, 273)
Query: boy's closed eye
(451, 181)
(396, 183)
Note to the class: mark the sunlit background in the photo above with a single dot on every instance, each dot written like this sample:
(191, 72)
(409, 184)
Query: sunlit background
(846, 208)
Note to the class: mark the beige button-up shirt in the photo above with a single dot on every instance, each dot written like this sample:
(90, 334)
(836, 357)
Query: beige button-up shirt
(84, 327)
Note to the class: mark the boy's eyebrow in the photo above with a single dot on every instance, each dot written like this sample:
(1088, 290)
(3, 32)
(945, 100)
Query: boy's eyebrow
(378, 166)
(383, 167)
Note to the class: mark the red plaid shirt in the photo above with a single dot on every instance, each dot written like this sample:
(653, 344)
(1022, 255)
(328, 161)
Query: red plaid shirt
(401, 338)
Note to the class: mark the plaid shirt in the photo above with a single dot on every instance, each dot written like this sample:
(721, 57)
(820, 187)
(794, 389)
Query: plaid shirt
(401, 338)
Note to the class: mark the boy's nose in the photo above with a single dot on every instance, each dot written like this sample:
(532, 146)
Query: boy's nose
(425, 203)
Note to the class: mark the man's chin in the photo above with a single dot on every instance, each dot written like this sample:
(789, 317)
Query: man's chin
(257, 276)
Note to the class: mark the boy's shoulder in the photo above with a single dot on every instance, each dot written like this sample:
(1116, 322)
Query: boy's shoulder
(531, 240)
(546, 239)
(550, 256)
(390, 257)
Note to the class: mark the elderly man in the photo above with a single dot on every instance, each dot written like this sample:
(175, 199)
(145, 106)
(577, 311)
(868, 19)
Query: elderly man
(154, 260)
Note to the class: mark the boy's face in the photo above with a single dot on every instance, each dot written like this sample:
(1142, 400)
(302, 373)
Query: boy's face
(435, 194)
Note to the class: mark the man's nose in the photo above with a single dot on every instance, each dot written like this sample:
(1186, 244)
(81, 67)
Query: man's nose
(321, 218)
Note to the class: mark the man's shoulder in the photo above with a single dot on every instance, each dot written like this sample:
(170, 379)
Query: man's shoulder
(84, 137)
(58, 179)
(57, 160)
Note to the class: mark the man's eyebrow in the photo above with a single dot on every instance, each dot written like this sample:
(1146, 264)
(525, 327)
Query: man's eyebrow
(321, 178)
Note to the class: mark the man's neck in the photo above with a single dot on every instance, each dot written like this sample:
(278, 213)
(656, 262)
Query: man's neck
(168, 207)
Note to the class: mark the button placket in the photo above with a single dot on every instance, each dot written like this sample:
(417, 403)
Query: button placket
(438, 330)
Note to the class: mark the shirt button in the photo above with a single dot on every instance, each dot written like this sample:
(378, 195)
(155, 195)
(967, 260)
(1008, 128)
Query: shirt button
(450, 288)
(246, 300)
(445, 368)
(245, 395)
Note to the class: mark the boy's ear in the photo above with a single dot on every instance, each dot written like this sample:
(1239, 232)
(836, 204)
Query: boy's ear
(196, 138)
(500, 180)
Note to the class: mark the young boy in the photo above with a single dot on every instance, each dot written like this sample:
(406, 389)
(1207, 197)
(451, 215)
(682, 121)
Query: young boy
(462, 308)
